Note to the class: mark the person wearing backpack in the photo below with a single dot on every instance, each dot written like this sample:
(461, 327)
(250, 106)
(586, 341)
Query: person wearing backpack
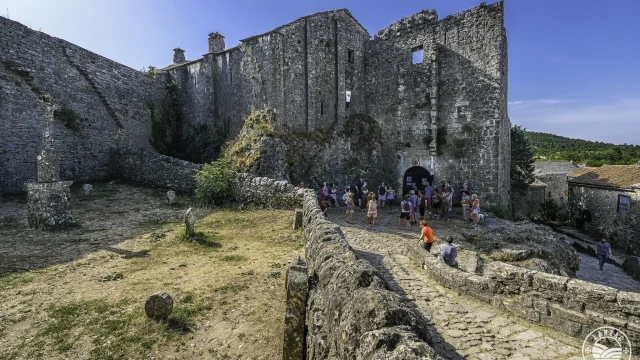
(372, 211)
(405, 211)
(382, 195)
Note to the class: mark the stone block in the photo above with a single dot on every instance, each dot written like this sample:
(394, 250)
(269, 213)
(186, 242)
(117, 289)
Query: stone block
(541, 306)
(297, 224)
(629, 303)
(190, 222)
(566, 326)
(297, 288)
(48, 165)
(514, 279)
(49, 205)
(561, 312)
(582, 295)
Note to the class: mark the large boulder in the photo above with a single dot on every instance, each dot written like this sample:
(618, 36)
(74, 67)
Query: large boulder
(631, 266)
(524, 244)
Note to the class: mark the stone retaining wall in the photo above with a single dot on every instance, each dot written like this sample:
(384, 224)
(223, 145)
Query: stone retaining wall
(262, 191)
(572, 306)
(151, 168)
(351, 314)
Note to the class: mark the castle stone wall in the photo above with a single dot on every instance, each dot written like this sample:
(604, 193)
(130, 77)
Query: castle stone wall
(460, 86)
(109, 100)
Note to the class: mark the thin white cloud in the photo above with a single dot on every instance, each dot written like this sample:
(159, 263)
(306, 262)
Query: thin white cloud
(616, 121)
(538, 102)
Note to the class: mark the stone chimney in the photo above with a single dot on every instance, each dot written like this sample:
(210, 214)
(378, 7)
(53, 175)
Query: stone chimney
(216, 42)
(178, 56)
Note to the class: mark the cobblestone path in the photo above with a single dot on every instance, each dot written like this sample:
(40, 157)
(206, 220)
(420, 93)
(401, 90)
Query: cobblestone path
(460, 327)
(612, 275)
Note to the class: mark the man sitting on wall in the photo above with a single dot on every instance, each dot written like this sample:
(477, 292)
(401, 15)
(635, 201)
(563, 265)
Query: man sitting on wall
(448, 253)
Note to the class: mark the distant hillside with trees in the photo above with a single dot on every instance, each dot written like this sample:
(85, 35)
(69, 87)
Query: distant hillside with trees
(593, 153)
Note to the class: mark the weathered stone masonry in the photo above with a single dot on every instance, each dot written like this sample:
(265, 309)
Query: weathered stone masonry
(109, 100)
(351, 313)
(447, 114)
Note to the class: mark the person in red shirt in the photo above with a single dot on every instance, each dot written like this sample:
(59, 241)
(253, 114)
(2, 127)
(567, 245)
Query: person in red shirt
(427, 236)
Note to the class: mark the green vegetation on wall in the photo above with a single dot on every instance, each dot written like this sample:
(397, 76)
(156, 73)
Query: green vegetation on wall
(68, 118)
(198, 143)
(593, 153)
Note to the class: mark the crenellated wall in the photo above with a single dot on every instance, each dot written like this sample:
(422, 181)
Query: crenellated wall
(108, 102)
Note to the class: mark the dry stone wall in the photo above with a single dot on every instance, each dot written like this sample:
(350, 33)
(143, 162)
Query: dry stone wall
(150, 168)
(572, 306)
(351, 314)
(105, 103)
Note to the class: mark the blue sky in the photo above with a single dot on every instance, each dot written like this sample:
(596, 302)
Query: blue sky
(573, 64)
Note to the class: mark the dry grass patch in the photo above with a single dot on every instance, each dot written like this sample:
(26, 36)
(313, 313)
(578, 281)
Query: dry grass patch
(226, 303)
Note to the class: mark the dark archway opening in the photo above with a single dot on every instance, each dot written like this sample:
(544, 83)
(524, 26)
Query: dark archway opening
(415, 176)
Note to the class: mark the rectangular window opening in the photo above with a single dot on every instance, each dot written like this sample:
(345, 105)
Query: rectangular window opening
(624, 204)
(418, 55)
(321, 108)
(350, 56)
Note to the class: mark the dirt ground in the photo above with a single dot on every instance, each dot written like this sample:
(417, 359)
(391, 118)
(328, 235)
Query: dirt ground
(85, 297)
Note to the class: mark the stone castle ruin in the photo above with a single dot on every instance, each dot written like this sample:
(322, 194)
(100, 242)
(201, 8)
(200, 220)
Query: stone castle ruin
(436, 88)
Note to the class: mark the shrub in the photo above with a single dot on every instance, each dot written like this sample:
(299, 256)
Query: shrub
(213, 182)
(553, 212)
(500, 211)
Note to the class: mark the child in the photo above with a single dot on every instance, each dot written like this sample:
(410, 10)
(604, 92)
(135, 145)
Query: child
(475, 209)
(372, 211)
(427, 236)
(350, 206)
(414, 203)
(405, 212)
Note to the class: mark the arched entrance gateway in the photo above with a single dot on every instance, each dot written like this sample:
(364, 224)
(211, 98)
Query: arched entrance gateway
(416, 175)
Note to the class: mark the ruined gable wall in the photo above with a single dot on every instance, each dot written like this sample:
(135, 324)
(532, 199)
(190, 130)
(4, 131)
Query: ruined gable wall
(300, 69)
(469, 71)
(100, 91)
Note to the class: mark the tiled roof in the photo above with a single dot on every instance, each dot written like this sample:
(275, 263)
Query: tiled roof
(617, 176)
(554, 167)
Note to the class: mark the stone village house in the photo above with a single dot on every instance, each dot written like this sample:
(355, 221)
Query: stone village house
(606, 201)
(554, 175)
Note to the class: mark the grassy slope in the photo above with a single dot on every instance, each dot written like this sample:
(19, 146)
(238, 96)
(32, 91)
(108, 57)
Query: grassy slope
(228, 293)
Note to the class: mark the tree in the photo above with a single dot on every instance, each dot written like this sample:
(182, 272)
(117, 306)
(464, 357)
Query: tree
(521, 160)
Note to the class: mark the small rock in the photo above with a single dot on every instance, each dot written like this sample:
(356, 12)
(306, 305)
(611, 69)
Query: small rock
(159, 306)
(274, 274)
(171, 196)
(87, 189)
(112, 277)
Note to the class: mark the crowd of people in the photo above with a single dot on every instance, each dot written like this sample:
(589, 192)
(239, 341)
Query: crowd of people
(427, 202)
